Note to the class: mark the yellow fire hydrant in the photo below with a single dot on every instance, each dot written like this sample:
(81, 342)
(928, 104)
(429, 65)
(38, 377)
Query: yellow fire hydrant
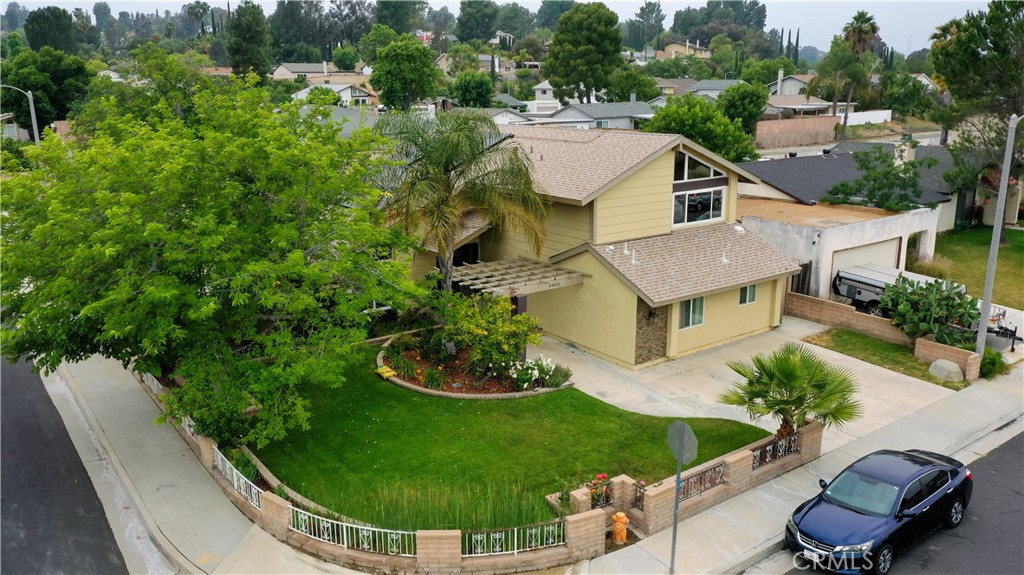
(619, 529)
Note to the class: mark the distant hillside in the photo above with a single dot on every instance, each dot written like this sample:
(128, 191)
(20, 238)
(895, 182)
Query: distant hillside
(811, 54)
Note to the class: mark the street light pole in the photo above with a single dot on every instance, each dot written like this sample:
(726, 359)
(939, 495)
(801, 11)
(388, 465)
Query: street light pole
(31, 109)
(997, 228)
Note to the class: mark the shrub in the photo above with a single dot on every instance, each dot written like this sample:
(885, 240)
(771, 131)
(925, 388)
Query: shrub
(244, 464)
(403, 342)
(393, 352)
(433, 379)
(992, 364)
(559, 376)
(404, 366)
(940, 307)
(485, 325)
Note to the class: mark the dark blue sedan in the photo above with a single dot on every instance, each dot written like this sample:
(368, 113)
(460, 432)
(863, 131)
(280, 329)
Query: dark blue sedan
(878, 506)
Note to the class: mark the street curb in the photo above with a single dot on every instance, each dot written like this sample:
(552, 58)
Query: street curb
(177, 557)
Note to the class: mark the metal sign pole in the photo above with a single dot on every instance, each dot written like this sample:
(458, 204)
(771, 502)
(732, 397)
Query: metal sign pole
(675, 516)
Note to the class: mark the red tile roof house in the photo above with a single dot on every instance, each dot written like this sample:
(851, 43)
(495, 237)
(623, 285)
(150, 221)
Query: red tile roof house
(643, 258)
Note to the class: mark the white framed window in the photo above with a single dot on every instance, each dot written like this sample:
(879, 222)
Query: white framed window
(697, 206)
(748, 294)
(543, 92)
(359, 101)
(841, 110)
(691, 313)
(602, 123)
(689, 168)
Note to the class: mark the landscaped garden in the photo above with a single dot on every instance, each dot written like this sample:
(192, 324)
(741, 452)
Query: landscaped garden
(379, 453)
(961, 256)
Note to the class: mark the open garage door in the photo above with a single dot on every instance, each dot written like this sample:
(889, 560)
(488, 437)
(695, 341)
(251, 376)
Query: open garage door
(885, 253)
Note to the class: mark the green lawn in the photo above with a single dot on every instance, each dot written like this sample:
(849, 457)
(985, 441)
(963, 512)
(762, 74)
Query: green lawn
(399, 459)
(891, 356)
(968, 251)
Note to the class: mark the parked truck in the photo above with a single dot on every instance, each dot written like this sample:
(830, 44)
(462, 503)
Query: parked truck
(865, 284)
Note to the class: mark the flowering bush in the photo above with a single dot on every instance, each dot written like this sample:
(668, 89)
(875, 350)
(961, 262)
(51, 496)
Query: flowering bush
(600, 491)
(485, 325)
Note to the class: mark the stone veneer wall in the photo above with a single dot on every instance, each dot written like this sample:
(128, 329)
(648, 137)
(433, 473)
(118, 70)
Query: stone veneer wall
(651, 332)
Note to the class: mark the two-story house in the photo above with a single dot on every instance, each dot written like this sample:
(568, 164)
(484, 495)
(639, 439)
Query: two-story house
(643, 259)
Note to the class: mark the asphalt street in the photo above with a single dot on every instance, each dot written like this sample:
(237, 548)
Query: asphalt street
(990, 541)
(53, 521)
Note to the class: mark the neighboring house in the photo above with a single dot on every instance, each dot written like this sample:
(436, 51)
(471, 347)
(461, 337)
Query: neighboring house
(544, 101)
(115, 77)
(801, 105)
(927, 81)
(350, 95)
(785, 210)
(620, 115)
(687, 49)
(443, 62)
(713, 88)
(511, 102)
(500, 36)
(351, 118)
(505, 116)
(674, 86)
(424, 36)
(292, 70)
(642, 259)
(791, 85)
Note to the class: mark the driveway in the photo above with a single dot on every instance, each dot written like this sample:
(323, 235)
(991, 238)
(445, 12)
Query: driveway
(689, 386)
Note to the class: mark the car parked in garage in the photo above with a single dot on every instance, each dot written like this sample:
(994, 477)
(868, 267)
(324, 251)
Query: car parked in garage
(878, 506)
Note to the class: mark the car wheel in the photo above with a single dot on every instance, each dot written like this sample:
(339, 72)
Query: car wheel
(956, 513)
(873, 309)
(883, 560)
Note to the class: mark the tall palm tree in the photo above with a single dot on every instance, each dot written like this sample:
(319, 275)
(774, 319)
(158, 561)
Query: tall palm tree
(860, 32)
(794, 385)
(455, 163)
(840, 70)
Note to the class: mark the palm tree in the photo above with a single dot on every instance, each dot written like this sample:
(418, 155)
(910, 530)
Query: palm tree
(840, 70)
(794, 385)
(455, 164)
(861, 31)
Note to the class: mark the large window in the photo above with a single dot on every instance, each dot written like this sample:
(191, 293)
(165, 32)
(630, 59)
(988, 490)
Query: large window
(697, 206)
(690, 168)
(602, 123)
(691, 313)
(748, 294)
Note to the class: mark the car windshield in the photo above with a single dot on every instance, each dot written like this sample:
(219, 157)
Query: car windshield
(863, 493)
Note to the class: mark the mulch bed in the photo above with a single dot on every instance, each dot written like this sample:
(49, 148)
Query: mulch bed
(457, 378)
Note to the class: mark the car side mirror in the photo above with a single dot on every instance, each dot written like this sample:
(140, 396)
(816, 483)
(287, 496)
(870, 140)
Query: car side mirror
(823, 483)
(905, 514)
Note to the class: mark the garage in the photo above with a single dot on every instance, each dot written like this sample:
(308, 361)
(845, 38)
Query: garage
(885, 253)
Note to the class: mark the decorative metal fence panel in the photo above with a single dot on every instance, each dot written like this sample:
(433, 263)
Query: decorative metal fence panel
(247, 489)
(639, 493)
(776, 450)
(513, 540)
(190, 428)
(152, 383)
(601, 499)
(702, 481)
(359, 537)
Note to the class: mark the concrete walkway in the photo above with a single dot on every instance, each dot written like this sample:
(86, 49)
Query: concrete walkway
(169, 516)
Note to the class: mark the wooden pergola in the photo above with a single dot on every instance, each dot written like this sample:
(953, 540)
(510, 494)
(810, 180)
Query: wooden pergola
(515, 277)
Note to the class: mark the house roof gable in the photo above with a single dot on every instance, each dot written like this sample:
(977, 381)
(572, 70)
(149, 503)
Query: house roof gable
(608, 110)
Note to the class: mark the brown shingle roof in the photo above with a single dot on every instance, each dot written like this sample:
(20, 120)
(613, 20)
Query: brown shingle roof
(691, 262)
(576, 165)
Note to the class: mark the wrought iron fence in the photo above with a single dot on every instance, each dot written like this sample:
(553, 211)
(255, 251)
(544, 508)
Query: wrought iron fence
(247, 489)
(513, 540)
(190, 428)
(349, 536)
(776, 449)
(702, 481)
(639, 492)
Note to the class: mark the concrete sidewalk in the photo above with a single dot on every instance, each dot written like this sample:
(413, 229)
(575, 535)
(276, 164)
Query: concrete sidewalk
(169, 516)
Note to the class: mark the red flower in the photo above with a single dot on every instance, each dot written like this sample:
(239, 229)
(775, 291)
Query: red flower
(602, 476)
(593, 482)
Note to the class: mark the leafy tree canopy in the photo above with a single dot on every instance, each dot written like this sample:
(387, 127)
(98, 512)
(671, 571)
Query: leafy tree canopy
(405, 73)
(345, 58)
(907, 96)
(584, 52)
(378, 37)
(50, 26)
(516, 20)
(551, 11)
(745, 103)
(627, 82)
(473, 89)
(238, 250)
(249, 40)
(890, 181)
(322, 96)
(678, 67)
(477, 20)
(764, 72)
(700, 120)
(58, 82)
(402, 16)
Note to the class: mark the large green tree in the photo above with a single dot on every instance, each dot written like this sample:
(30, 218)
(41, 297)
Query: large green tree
(379, 36)
(840, 74)
(515, 19)
(14, 16)
(473, 89)
(238, 250)
(700, 120)
(744, 102)
(50, 26)
(678, 67)
(345, 58)
(551, 11)
(101, 10)
(405, 73)
(351, 19)
(794, 386)
(626, 83)
(584, 52)
(402, 16)
(860, 32)
(477, 20)
(249, 40)
(456, 166)
(764, 72)
(58, 81)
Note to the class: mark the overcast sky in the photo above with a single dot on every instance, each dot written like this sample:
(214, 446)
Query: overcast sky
(905, 26)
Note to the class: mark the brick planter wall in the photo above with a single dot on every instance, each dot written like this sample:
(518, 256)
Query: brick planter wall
(928, 350)
(844, 316)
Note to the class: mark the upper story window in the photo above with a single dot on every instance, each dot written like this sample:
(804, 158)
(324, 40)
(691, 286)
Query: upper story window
(690, 168)
(697, 206)
(543, 92)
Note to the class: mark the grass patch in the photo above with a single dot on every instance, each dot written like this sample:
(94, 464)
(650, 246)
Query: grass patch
(967, 250)
(403, 460)
(891, 356)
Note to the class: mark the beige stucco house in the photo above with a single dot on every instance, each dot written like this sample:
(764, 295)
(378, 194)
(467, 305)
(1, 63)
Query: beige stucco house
(643, 258)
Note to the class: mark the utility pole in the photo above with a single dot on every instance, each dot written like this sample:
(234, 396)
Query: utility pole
(31, 110)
